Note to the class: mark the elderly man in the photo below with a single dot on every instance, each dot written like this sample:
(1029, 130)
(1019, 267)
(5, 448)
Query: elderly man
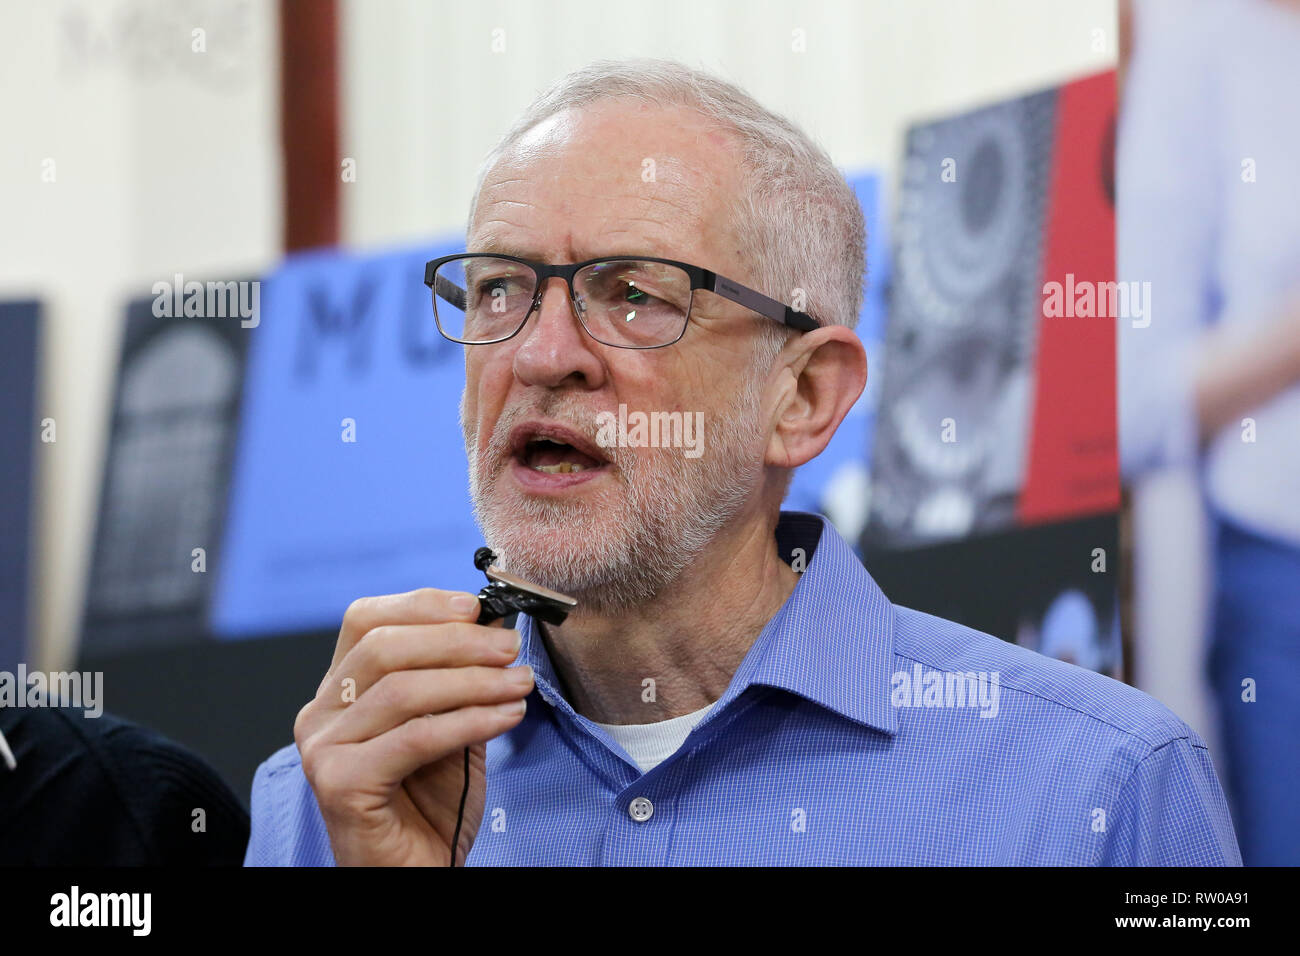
(732, 688)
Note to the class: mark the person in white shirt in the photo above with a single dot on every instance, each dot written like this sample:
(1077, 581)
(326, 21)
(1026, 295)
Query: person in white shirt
(1208, 212)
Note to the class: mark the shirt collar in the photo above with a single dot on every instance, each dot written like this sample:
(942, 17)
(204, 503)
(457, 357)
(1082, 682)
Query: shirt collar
(832, 642)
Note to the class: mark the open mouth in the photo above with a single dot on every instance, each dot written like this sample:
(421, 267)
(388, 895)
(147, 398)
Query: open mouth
(556, 458)
(549, 455)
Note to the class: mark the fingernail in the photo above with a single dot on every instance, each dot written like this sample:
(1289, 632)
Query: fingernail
(512, 709)
(515, 641)
(522, 675)
(462, 603)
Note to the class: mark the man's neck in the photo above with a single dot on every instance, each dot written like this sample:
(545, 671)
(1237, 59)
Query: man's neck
(689, 642)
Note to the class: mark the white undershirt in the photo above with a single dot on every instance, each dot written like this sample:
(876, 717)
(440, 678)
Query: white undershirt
(650, 744)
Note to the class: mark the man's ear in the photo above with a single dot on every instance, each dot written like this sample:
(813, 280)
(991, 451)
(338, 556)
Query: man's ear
(821, 374)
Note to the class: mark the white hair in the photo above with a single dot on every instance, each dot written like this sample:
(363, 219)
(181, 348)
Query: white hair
(798, 221)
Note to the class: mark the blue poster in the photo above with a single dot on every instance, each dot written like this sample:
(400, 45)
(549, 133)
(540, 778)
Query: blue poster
(350, 475)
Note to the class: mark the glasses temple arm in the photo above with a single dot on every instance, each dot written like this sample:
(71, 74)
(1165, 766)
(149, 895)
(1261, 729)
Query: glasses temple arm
(451, 292)
(757, 302)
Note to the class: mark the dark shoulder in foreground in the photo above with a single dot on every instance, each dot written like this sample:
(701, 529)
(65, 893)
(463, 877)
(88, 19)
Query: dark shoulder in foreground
(103, 791)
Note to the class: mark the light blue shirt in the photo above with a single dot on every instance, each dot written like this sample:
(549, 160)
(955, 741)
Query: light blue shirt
(845, 737)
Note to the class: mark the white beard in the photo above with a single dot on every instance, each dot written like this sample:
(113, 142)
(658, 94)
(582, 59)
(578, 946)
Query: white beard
(627, 548)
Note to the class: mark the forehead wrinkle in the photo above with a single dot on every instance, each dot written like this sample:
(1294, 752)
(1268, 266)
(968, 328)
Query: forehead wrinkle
(521, 203)
(513, 187)
(691, 193)
(637, 242)
(494, 242)
(500, 222)
(679, 207)
(614, 223)
(488, 239)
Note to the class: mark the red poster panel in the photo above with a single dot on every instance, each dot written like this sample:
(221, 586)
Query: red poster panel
(1072, 465)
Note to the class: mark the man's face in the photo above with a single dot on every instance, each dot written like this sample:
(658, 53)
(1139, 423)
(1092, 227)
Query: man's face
(619, 531)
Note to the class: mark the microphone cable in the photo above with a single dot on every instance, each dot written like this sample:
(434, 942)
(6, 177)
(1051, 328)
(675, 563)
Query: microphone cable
(460, 814)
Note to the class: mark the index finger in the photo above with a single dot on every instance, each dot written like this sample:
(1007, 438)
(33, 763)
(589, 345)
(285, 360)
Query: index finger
(421, 606)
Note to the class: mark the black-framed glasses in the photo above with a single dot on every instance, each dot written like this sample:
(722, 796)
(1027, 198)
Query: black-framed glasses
(631, 302)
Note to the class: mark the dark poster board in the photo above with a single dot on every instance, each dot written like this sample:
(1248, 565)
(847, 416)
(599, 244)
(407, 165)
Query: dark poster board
(1033, 586)
(19, 325)
(167, 469)
(167, 464)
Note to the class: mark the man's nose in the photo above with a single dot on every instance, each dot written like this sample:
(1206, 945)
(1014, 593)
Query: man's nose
(555, 347)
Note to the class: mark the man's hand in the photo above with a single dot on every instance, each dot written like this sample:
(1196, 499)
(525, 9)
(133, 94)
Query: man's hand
(413, 682)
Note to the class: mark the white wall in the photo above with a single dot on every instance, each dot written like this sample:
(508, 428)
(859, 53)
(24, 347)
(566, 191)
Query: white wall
(426, 96)
(167, 160)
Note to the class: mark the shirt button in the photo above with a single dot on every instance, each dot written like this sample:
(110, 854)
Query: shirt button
(640, 809)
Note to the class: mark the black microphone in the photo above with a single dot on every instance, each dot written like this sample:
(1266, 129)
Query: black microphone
(507, 593)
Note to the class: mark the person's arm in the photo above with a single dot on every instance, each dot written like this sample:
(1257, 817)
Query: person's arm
(1171, 812)
(1168, 177)
(1236, 377)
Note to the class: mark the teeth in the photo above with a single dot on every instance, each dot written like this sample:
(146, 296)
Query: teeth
(563, 468)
